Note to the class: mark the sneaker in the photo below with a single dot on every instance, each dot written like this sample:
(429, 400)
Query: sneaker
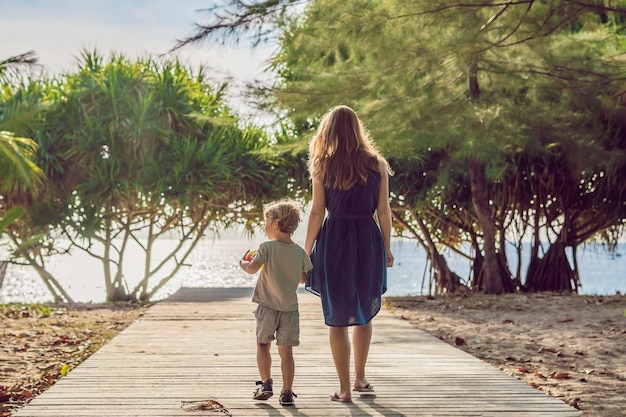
(286, 398)
(264, 391)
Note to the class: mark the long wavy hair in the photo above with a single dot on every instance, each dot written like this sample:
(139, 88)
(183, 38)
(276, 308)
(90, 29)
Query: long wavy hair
(341, 153)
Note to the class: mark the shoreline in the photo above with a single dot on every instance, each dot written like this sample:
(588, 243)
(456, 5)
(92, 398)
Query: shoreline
(601, 273)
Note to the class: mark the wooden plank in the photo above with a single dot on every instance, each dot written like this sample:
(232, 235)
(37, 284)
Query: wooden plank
(187, 349)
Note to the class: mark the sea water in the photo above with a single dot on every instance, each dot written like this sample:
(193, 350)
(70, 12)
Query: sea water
(215, 263)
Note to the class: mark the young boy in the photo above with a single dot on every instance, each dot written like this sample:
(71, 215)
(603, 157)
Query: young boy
(284, 267)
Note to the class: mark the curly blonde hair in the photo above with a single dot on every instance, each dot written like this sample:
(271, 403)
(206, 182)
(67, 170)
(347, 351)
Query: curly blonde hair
(285, 212)
(342, 153)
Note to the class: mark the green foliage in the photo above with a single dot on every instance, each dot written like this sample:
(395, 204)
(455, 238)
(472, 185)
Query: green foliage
(18, 172)
(14, 67)
(20, 177)
(528, 89)
(531, 93)
(135, 151)
(16, 311)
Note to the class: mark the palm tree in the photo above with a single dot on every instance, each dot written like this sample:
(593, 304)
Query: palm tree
(14, 65)
(17, 171)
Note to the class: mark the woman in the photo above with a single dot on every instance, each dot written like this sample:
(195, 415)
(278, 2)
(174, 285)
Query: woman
(349, 250)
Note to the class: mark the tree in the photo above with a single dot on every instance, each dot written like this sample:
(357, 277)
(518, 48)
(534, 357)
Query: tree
(464, 87)
(18, 173)
(234, 19)
(136, 152)
(479, 82)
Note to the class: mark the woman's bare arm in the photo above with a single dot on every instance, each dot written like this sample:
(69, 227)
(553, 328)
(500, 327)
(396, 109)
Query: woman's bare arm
(316, 217)
(383, 211)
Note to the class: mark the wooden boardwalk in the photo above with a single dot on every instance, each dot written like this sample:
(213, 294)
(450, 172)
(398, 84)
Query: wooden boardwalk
(200, 344)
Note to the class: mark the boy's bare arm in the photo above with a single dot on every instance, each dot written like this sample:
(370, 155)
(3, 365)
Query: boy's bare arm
(251, 267)
(303, 278)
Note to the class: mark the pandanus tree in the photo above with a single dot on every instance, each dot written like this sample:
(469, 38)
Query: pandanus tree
(138, 152)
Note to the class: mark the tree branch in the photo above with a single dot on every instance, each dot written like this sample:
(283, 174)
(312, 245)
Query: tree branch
(238, 18)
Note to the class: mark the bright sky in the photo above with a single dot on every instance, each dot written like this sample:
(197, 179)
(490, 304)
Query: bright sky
(58, 30)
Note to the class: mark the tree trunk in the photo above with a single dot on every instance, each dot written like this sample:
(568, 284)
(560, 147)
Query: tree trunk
(552, 272)
(489, 268)
(491, 280)
(445, 279)
(56, 290)
(3, 271)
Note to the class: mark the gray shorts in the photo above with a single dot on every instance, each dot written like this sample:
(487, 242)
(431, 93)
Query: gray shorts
(284, 326)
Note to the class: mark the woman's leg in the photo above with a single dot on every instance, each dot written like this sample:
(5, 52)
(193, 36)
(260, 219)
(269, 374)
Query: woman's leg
(340, 348)
(361, 338)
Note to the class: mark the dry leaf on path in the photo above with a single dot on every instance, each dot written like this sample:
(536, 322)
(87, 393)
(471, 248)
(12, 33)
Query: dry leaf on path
(210, 405)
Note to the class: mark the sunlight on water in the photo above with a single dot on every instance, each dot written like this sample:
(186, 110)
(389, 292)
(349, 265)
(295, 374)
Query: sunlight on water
(214, 263)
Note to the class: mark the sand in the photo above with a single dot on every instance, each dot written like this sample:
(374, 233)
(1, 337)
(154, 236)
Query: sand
(571, 347)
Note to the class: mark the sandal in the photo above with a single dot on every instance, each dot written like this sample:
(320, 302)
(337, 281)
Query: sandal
(264, 391)
(337, 398)
(286, 398)
(366, 389)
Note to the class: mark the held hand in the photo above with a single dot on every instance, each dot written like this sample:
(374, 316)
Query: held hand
(390, 259)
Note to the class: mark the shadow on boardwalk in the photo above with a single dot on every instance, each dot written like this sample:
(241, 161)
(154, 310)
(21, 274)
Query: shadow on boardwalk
(199, 344)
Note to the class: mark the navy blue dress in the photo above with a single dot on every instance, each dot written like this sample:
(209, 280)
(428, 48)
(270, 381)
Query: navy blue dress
(349, 259)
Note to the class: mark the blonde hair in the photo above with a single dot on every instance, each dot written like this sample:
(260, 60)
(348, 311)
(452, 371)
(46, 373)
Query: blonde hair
(285, 212)
(342, 153)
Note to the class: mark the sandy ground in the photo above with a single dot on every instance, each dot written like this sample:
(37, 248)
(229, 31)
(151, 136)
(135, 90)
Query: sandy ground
(40, 343)
(571, 347)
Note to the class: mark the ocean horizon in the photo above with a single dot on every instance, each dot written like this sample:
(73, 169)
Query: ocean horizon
(214, 264)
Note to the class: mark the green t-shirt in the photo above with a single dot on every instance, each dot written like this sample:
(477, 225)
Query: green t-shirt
(283, 265)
